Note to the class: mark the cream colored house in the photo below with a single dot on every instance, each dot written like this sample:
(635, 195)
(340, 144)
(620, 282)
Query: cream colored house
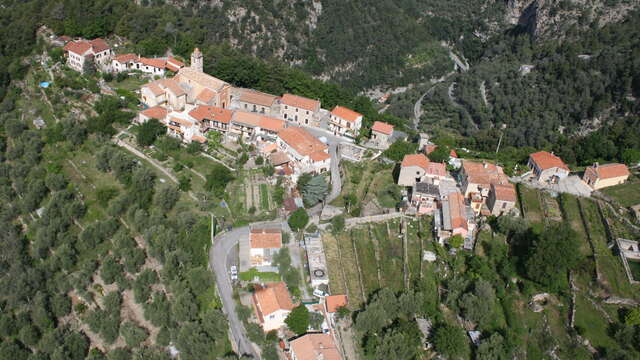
(417, 168)
(253, 101)
(344, 121)
(265, 244)
(547, 168)
(381, 134)
(502, 198)
(298, 109)
(272, 304)
(80, 53)
(602, 176)
(307, 153)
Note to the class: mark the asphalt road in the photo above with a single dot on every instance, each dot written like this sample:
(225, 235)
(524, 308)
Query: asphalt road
(218, 257)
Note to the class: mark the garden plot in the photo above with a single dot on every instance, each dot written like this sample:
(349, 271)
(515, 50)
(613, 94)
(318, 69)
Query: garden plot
(366, 250)
(530, 203)
(390, 255)
(613, 277)
(351, 270)
(337, 283)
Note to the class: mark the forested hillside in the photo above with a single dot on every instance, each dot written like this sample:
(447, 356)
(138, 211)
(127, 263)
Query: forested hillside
(549, 95)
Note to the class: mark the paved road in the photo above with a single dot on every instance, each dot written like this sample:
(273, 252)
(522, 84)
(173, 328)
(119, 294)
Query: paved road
(218, 257)
(336, 179)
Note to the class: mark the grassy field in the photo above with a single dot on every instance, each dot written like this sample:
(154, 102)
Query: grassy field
(337, 282)
(264, 196)
(571, 214)
(592, 322)
(350, 269)
(366, 251)
(627, 194)
(530, 203)
(610, 266)
(365, 180)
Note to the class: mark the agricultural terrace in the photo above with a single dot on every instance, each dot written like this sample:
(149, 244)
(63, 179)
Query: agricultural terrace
(376, 255)
(366, 182)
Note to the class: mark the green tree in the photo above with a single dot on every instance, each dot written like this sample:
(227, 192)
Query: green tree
(440, 154)
(633, 317)
(631, 156)
(217, 180)
(315, 190)
(456, 241)
(298, 319)
(214, 140)
(149, 131)
(450, 341)
(399, 149)
(194, 147)
(298, 220)
(166, 197)
(555, 251)
(337, 224)
(133, 335)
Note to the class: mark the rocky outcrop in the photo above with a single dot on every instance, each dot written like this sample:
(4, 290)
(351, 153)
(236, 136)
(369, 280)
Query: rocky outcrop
(550, 18)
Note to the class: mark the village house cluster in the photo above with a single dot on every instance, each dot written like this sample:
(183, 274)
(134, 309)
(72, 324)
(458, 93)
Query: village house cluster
(192, 103)
(272, 301)
(481, 188)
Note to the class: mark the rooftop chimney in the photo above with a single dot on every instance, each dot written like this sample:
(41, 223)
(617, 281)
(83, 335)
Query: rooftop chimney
(595, 164)
(484, 164)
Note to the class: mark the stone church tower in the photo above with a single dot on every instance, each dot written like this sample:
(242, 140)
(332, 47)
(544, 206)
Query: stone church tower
(197, 62)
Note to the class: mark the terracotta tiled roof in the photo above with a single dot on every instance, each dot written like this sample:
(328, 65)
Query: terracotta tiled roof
(212, 113)
(484, 173)
(279, 158)
(382, 127)
(257, 97)
(206, 95)
(545, 160)
(504, 192)
(457, 211)
(157, 63)
(271, 124)
(266, 238)
(453, 154)
(346, 114)
(99, 45)
(418, 160)
(429, 148)
(319, 156)
(301, 141)
(156, 112)
(335, 301)
(246, 118)
(173, 64)
(300, 102)
(436, 169)
(173, 86)
(200, 139)
(125, 58)
(181, 121)
(269, 148)
(155, 88)
(271, 298)
(315, 347)
(206, 80)
(77, 47)
(608, 171)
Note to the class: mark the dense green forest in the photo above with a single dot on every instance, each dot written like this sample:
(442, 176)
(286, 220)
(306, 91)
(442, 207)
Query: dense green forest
(579, 99)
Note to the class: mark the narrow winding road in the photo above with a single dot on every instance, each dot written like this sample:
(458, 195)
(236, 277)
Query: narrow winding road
(218, 260)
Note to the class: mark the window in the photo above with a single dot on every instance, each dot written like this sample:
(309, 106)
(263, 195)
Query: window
(286, 107)
(504, 205)
(307, 112)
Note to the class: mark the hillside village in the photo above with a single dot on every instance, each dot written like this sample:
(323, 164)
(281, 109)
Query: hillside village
(296, 134)
(458, 197)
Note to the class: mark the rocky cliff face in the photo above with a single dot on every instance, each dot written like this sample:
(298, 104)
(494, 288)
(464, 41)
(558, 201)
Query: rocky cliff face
(552, 18)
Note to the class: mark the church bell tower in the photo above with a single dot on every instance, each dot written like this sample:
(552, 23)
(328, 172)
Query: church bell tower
(197, 62)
